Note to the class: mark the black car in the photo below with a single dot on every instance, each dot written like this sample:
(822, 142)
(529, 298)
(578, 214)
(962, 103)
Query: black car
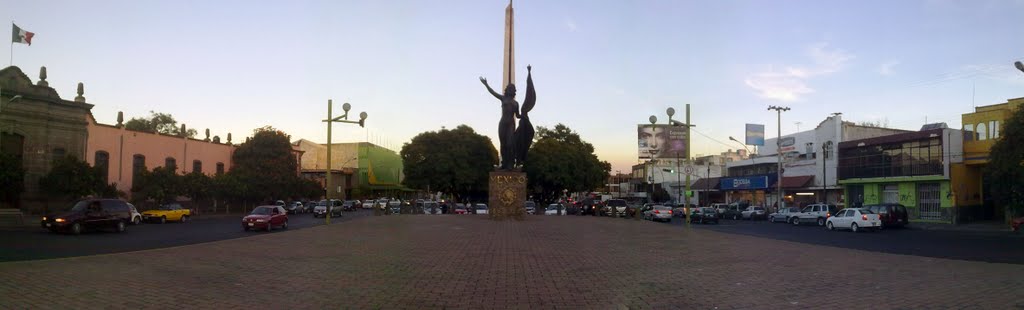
(349, 205)
(734, 210)
(589, 207)
(704, 215)
(90, 214)
(891, 214)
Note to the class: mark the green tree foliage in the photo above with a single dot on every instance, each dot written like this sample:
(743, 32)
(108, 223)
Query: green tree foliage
(308, 189)
(196, 186)
(12, 178)
(661, 195)
(266, 165)
(70, 179)
(451, 161)
(162, 185)
(158, 123)
(227, 187)
(1006, 165)
(560, 160)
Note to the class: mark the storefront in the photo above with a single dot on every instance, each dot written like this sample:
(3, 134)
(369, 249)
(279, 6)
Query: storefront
(752, 189)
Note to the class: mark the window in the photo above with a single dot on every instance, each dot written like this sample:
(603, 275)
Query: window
(102, 163)
(890, 193)
(58, 153)
(809, 150)
(827, 150)
(220, 168)
(197, 166)
(993, 128)
(968, 132)
(138, 166)
(982, 133)
(171, 164)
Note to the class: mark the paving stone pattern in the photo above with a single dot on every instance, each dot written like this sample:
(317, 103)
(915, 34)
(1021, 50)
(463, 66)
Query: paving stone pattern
(544, 262)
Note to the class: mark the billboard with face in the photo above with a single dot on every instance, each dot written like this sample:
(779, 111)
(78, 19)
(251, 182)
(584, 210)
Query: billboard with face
(661, 141)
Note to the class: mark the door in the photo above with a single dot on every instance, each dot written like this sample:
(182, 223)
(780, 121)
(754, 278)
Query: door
(929, 204)
(890, 193)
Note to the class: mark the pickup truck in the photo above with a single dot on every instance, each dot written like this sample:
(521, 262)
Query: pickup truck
(816, 213)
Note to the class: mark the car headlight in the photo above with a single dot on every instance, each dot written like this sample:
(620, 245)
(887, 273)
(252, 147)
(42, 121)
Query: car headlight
(59, 220)
(44, 218)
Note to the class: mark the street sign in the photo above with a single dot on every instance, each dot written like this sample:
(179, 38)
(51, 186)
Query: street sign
(688, 170)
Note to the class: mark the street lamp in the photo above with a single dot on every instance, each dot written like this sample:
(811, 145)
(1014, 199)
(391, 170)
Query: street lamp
(778, 153)
(686, 153)
(330, 121)
(1020, 66)
(741, 144)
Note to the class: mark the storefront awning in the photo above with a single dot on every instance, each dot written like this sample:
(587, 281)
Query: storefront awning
(706, 183)
(797, 181)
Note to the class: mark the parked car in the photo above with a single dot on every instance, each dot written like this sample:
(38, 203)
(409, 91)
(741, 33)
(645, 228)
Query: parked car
(280, 203)
(461, 209)
(891, 214)
(430, 207)
(704, 215)
(854, 219)
(531, 207)
(480, 208)
(294, 208)
(136, 216)
(816, 213)
(266, 218)
(323, 207)
(719, 208)
(310, 205)
(657, 213)
(618, 204)
(553, 209)
(783, 215)
(753, 213)
(734, 211)
(589, 207)
(368, 204)
(349, 205)
(90, 214)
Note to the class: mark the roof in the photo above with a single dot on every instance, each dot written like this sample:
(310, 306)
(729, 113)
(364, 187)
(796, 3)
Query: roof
(797, 181)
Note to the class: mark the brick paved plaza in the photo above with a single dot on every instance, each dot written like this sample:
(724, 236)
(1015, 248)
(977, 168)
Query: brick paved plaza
(545, 262)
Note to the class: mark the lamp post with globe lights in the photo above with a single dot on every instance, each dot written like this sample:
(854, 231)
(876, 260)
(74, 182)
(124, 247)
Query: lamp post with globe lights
(331, 119)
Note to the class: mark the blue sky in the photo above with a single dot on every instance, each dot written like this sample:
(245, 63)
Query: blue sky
(601, 67)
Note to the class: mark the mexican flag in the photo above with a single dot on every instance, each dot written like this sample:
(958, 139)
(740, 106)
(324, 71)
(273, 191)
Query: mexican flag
(22, 36)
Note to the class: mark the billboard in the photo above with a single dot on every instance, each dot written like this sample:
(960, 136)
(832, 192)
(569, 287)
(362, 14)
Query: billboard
(755, 134)
(661, 141)
(744, 183)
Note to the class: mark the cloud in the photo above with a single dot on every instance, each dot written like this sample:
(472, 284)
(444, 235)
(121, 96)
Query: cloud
(790, 83)
(886, 68)
(571, 24)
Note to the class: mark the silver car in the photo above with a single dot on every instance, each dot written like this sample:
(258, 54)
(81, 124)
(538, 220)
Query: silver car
(658, 213)
(783, 215)
(753, 213)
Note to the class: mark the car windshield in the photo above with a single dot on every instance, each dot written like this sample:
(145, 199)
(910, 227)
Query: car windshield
(81, 205)
(866, 211)
(261, 211)
(481, 207)
(169, 207)
(616, 203)
(663, 208)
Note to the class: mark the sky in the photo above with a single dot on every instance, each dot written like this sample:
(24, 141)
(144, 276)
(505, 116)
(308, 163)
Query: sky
(600, 67)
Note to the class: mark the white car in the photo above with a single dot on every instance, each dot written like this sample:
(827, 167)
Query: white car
(816, 213)
(658, 213)
(480, 208)
(136, 216)
(552, 209)
(368, 204)
(854, 219)
(753, 213)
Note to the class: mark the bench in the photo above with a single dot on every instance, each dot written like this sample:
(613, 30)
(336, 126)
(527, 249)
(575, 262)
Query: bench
(11, 217)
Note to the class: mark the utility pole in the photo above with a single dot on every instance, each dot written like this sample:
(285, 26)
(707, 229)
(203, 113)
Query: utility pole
(778, 152)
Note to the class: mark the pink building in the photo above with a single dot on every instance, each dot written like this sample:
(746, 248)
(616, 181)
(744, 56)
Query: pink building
(124, 153)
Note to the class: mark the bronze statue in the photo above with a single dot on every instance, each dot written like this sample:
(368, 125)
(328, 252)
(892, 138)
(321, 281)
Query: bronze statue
(507, 124)
(514, 143)
(524, 133)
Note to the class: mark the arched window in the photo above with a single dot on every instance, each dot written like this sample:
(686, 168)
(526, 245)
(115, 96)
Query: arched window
(197, 166)
(220, 168)
(982, 133)
(58, 153)
(102, 164)
(138, 166)
(171, 164)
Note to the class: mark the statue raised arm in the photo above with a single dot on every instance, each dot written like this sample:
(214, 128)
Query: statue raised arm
(489, 89)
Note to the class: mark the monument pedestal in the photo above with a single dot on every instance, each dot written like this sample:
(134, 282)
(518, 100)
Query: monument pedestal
(507, 195)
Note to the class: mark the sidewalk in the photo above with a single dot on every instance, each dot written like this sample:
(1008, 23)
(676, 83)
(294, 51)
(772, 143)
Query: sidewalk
(976, 227)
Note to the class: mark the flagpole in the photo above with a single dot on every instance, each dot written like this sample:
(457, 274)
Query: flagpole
(11, 64)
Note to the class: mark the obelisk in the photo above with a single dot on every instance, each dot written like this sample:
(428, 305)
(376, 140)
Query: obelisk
(508, 71)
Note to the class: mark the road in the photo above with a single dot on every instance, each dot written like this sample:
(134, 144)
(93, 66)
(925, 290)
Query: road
(30, 244)
(994, 247)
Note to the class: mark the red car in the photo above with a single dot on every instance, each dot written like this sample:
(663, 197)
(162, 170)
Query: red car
(266, 218)
(1017, 223)
(461, 209)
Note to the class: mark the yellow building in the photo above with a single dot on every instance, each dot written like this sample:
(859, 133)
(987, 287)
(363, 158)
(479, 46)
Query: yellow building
(981, 130)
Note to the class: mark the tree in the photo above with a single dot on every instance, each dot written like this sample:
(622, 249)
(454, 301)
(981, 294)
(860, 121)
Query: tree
(560, 160)
(158, 123)
(451, 161)
(1006, 166)
(12, 178)
(226, 188)
(661, 195)
(162, 184)
(266, 165)
(71, 179)
(196, 186)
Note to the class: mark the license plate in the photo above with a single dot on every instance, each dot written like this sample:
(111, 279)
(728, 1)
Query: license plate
(250, 224)
(874, 223)
(47, 224)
